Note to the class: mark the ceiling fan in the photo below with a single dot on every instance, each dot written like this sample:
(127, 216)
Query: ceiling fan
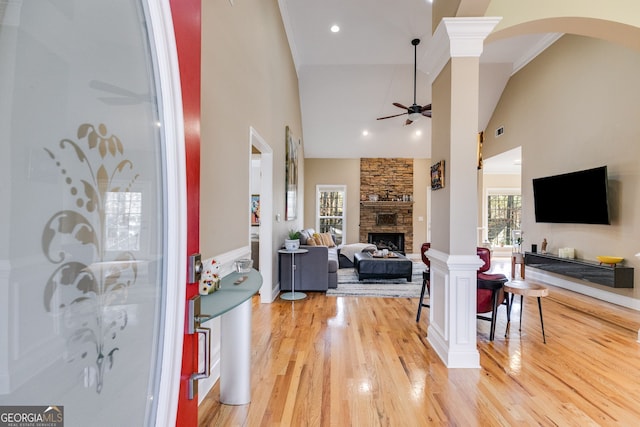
(415, 111)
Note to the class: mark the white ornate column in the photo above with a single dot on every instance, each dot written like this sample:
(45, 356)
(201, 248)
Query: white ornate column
(457, 43)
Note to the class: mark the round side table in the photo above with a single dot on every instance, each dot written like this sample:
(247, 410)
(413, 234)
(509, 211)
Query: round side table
(525, 289)
(293, 295)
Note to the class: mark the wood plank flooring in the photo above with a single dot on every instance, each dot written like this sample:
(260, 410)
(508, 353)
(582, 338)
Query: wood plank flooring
(348, 361)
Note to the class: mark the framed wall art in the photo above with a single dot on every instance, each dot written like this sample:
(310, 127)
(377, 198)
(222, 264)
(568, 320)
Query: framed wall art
(480, 142)
(437, 175)
(291, 176)
(255, 209)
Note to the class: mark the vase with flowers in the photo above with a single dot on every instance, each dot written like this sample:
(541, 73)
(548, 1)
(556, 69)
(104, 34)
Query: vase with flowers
(210, 278)
(518, 239)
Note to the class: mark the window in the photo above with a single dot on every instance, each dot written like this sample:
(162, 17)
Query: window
(123, 212)
(503, 217)
(331, 211)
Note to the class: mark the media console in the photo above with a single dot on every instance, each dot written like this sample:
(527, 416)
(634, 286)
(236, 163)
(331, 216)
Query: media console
(590, 271)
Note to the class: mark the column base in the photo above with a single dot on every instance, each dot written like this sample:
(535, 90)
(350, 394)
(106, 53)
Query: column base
(452, 326)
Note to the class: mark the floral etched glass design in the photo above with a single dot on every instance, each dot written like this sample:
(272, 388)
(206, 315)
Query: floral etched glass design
(83, 222)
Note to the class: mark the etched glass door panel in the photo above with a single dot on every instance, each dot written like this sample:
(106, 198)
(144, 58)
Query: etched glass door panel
(82, 223)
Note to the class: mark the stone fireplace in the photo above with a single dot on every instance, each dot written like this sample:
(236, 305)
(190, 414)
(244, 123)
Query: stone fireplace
(386, 202)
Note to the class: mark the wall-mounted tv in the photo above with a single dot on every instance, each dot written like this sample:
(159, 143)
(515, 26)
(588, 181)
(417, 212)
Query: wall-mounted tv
(579, 197)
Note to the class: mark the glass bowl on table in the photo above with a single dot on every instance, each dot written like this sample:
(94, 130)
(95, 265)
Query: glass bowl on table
(243, 265)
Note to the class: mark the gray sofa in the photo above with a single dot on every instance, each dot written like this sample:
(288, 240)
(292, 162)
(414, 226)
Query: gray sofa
(317, 270)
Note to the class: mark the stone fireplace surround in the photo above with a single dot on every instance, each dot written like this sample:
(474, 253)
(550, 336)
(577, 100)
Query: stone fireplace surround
(391, 180)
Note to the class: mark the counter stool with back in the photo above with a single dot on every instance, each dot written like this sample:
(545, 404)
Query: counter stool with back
(425, 279)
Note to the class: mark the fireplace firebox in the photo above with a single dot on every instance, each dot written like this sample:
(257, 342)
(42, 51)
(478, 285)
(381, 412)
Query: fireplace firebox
(391, 241)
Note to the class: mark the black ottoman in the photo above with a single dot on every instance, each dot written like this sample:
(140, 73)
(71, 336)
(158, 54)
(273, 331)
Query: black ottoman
(370, 267)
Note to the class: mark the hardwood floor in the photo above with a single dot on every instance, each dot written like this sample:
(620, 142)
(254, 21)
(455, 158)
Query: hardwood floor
(347, 361)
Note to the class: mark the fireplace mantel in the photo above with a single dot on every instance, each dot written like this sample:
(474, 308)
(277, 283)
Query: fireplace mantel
(386, 204)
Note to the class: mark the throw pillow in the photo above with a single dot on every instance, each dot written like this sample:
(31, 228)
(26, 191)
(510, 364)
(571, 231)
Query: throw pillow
(311, 242)
(327, 240)
(304, 236)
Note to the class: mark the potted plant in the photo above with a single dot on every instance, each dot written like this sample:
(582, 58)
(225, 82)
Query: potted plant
(293, 242)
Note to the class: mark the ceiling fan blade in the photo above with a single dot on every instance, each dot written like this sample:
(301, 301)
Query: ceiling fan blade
(397, 104)
(427, 113)
(425, 108)
(408, 122)
(388, 117)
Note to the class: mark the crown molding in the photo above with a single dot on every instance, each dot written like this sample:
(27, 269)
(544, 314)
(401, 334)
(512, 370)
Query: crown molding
(288, 29)
(535, 50)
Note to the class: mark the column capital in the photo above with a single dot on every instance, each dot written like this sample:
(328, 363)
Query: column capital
(466, 35)
(456, 38)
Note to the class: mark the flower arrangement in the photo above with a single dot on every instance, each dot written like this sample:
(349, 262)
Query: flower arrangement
(210, 278)
(518, 241)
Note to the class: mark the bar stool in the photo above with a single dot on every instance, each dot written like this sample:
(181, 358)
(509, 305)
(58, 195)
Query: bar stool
(490, 294)
(425, 279)
(425, 289)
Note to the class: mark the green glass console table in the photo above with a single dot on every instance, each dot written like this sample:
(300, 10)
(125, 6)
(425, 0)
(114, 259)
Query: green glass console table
(230, 295)
(232, 302)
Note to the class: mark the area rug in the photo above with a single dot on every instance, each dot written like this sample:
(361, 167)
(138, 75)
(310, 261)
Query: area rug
(349, 285)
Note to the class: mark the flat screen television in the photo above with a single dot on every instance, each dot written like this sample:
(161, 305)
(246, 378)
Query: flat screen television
(579, 197)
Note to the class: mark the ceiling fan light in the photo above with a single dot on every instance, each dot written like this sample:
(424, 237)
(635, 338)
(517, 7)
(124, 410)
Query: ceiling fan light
(414, 116)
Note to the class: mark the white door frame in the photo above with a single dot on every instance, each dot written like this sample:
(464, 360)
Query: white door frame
(173, 120)
(267, 293)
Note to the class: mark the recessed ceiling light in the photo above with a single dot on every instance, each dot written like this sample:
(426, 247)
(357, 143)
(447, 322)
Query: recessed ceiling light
(418, 132)
(335, 28)
(365, 132)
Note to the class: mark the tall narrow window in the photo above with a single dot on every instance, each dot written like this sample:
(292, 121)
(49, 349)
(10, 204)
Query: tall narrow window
(331, 211)
(503, 217)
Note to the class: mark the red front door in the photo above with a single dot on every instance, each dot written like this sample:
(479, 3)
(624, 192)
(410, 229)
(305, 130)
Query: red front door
(187, 21)
(89, 250)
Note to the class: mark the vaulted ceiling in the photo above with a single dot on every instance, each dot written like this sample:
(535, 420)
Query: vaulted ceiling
(349, 78)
